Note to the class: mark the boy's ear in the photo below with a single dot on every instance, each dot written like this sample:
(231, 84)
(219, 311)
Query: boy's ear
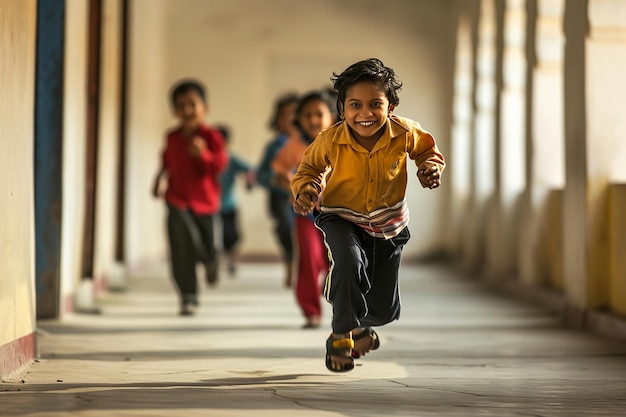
(340, 105)
(391, 108)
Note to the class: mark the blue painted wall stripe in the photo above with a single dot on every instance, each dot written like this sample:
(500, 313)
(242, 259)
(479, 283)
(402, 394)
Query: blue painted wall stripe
(48, 154)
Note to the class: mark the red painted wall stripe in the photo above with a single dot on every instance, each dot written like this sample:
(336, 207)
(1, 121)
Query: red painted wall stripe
(17, 354)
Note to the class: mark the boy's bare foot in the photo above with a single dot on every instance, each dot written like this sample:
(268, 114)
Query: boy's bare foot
(188, 309)
(288, 275)
(312, 322)
(231, 263)
(211, 272)
(338, 353)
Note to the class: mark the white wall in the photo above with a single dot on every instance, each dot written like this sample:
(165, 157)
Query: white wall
(108, 138)
(248, 52)
(74, 132)
(17, 81)
(147, 118)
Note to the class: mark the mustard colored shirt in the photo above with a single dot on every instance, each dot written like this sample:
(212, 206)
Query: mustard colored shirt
(361, 181)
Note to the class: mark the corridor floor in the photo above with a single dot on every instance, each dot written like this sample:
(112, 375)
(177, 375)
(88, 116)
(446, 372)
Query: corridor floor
(458, 350)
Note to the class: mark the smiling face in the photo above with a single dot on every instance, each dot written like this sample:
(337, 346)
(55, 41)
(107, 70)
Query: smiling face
(190, 109)
(314, 117)
(365, 109)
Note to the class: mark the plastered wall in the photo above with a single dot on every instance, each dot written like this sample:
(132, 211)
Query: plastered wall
(17, 77)
(74, 131)
(108, 137)
(247, 53)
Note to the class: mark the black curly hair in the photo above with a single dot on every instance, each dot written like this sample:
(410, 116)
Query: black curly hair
(185, 86)
(281, 102)
(371, 69)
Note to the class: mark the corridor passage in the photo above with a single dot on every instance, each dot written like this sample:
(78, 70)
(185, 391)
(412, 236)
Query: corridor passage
(458, 350)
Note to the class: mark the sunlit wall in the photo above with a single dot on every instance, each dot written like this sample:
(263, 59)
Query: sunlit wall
(247, 53)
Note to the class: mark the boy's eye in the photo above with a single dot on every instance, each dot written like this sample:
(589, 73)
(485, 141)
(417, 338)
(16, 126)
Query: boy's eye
(355, 105)
(377, 104)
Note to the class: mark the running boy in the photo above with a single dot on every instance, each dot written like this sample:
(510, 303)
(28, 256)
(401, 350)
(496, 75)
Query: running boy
(193, 158)
(363, 211)
(279, 198)
(313, 115)
(229, 210)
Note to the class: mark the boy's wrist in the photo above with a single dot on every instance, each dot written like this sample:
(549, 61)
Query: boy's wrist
(308, 190)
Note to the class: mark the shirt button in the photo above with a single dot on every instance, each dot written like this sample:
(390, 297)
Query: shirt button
(371, 179)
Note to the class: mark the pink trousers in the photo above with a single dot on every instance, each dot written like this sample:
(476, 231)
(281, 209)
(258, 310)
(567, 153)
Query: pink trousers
(312, 266)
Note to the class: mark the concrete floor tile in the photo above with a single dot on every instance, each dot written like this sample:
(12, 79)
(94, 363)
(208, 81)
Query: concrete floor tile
(458, 350)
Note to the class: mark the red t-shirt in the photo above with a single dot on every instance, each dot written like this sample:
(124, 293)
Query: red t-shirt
(193, 182)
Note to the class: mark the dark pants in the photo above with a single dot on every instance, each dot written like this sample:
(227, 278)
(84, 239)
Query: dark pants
(282, 213)
(230, 230)
(362, 285)
(191, 241)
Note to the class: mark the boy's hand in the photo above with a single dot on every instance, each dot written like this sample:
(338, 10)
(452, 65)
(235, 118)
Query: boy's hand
(305, 203)
(429, 175)
(250, 179)
(196, 146)
(158, 189)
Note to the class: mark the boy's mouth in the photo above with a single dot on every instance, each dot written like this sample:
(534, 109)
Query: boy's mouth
(366, 124)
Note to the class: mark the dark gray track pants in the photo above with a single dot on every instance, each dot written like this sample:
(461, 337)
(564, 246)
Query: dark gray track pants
(362, 284)
(191, 241)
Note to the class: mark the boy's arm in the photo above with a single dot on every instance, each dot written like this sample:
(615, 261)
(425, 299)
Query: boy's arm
(157, 186)
(307, 182)
(213, 157)
(264, 172)
(239, 164)
(429, 160)
(243, 167)
(284, 163)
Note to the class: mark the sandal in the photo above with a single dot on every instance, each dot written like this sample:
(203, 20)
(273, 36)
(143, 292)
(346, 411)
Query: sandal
(367, 332)
(338, 347)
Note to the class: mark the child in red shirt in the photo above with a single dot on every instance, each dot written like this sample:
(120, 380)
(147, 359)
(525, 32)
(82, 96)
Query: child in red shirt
(192, 160)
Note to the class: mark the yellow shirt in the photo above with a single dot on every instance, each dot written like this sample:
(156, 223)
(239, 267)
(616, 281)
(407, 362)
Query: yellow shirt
(359, 180)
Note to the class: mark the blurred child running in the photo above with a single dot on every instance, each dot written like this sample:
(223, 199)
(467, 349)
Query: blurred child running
(313, 115)
(192, 160)
(279, 198)
(229, 211)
